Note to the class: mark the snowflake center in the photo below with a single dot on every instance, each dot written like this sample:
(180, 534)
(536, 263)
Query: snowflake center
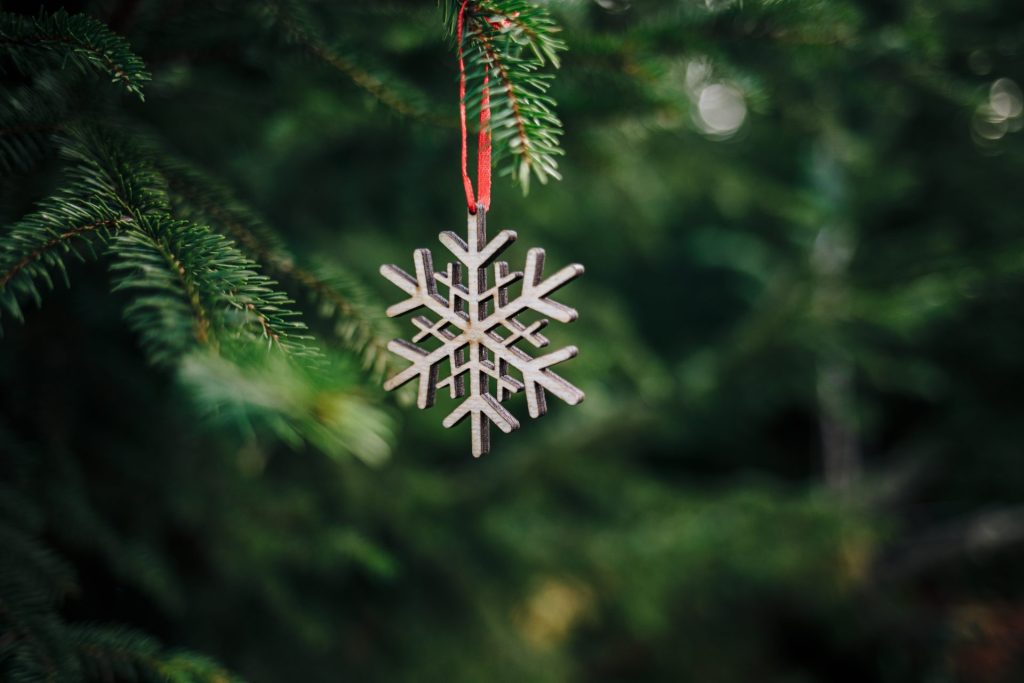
(473, 334)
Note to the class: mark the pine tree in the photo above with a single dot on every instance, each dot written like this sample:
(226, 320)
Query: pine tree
(798, 459)
(191, 264)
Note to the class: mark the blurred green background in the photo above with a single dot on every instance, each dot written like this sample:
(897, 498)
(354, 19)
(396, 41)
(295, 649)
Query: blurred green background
(800, 338)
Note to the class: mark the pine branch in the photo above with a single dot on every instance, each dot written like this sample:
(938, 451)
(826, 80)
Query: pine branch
(188, 667)
(125, 655)
(356, 321)
(32, 579)
(114, 654)
(35, 248)
(114, 171)
(198, 197)
(194, 287)
(323, 407)
(78, 41)
(510, 41)
(301, 29)
(166, 310)
(338, 299)
(103, 194)
(46, 248)
(37, 644)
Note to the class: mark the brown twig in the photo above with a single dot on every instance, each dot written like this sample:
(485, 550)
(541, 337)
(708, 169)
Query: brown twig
(59, 239)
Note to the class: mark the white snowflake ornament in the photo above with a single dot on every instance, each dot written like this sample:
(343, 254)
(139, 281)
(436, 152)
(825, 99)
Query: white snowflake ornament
(477, 331)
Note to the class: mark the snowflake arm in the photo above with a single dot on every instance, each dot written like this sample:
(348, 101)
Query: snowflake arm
(477, 330)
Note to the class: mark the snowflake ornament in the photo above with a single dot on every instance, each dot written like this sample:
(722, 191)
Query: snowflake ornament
(477, 331)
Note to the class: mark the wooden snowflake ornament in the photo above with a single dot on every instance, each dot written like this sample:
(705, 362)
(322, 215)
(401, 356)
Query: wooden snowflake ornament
(477, 329)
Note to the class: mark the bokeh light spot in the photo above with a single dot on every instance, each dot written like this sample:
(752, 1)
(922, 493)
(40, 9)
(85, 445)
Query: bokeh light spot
(722, 109)
(1005, 98)
(1001, 114)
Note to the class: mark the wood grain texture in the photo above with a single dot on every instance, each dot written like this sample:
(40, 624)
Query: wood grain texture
(478, 332)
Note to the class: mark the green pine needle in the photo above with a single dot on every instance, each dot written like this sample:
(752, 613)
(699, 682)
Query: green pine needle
(74, 41)
(302, 30)
(510, 41)
(192, 287)
(323, 407)
(338, 298)
(38, 644)
(71, 223)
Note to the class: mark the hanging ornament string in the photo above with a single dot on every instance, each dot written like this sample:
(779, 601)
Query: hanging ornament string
(475, 330)
(483, 151)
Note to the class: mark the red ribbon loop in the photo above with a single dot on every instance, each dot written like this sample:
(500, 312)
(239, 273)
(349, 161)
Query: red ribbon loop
(483, 152)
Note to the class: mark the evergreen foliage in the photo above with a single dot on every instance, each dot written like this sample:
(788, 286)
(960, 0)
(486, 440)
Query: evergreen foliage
(296, 21)
(38, 644)
(78, 42)
(508, 41)
(799, 455)
(28, 118)
(337, 298)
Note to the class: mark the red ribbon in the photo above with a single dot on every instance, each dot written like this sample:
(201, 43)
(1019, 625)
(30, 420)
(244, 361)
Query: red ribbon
(483, 151)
